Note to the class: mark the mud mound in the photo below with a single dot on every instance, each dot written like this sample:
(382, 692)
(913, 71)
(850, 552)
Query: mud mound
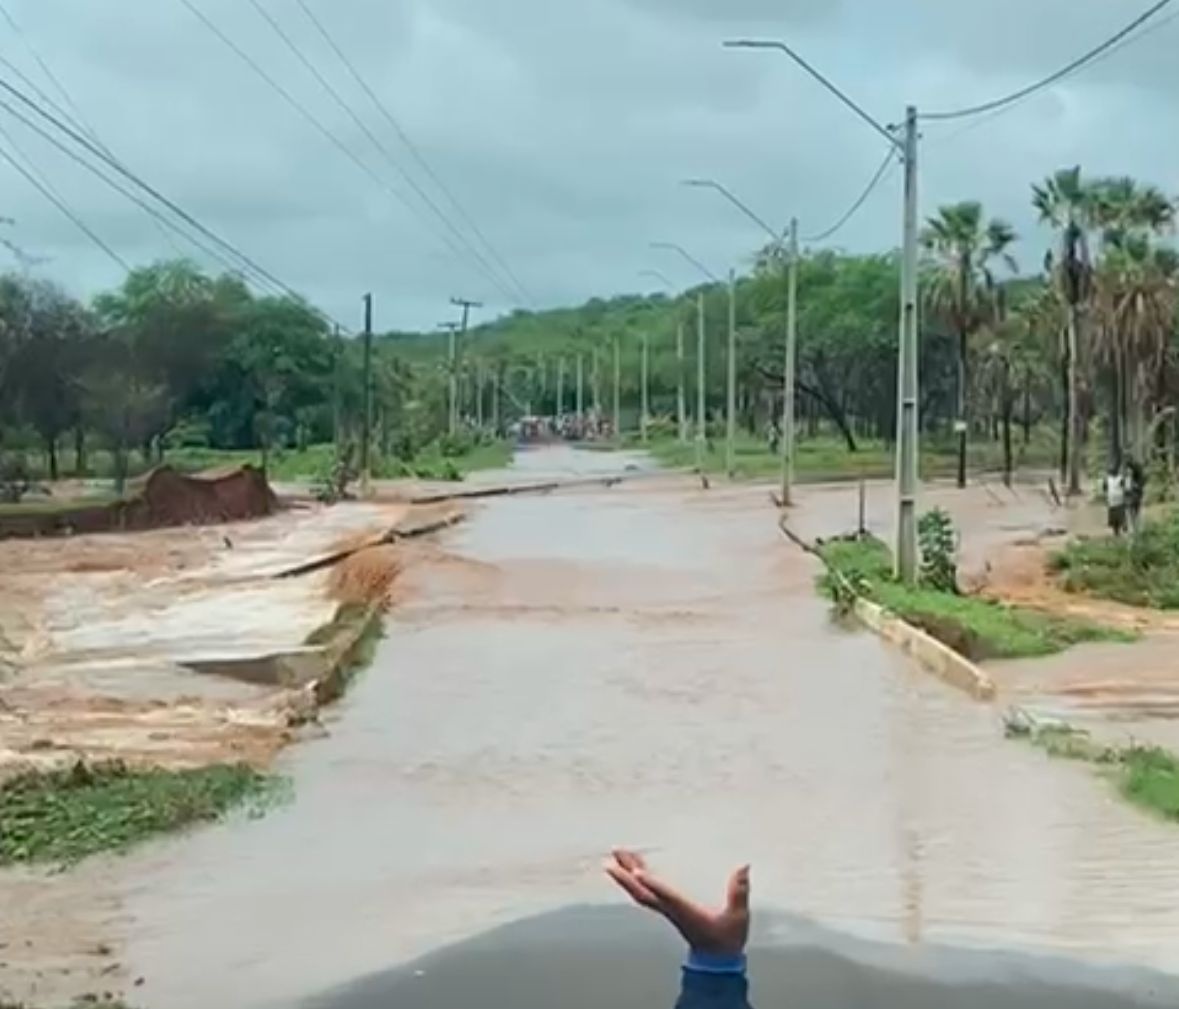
(171, 499)
(366, 577)
(163, 498)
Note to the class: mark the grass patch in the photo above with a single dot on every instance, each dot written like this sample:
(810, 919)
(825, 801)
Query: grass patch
(826, 457)
(976, 628)
(64, 816)
(1140, 570)
(1147, 776)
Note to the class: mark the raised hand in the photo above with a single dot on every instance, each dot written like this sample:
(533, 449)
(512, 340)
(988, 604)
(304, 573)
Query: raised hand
(719, 933)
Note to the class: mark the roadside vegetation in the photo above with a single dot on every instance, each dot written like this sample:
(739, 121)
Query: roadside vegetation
(825, 456)
(1140, 570)
(1146, 776)
(65, 816)
(974, 627)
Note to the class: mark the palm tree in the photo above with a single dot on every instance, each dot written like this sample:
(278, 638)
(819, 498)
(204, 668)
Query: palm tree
(962, 289)
(1067, 205)
(1135, 298)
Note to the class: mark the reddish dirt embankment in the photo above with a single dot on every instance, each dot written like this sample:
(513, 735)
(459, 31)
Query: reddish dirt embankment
(161, 499)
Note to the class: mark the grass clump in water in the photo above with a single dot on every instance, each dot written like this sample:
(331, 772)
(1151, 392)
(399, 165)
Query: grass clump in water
(974, 627)
(64, 816)
(1140, 570)
(1147, 776)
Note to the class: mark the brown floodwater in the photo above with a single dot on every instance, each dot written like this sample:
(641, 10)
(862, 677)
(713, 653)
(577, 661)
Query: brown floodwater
(647, 665)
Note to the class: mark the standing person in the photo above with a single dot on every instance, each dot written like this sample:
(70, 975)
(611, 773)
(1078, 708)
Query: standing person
(1135, 492)
(714, 970)
(1115, 500)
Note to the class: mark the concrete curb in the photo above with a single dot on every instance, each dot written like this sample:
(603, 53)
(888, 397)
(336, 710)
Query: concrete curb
(319, 669)
(940, 659)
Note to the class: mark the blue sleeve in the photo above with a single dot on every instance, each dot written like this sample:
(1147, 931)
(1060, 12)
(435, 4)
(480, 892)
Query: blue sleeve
(714, 983)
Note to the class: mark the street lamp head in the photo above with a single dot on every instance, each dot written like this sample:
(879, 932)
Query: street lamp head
(699, 183)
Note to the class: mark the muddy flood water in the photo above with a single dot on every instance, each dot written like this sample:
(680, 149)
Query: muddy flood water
(647, 665)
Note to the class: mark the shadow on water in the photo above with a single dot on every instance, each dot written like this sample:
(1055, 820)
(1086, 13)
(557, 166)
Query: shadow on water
(591, 958)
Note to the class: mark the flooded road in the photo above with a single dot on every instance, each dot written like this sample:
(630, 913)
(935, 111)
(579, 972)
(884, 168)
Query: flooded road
(646, 665)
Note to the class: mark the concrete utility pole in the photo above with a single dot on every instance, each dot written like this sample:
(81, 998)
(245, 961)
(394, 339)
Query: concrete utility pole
(366, 472)
(789, 373)
(452, 369)
(337, 395)
(580, 386)
(907, 420)
(645, 379)
(681, 404)
(466, 305)
(731, 391)
(560, 386)
(617, 389)
(701, 394)
(479, 383)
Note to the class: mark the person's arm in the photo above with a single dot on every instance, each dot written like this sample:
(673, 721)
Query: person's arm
(714, 972)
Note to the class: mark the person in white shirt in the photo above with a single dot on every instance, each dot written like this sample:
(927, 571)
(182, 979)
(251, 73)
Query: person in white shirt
(1115, 500)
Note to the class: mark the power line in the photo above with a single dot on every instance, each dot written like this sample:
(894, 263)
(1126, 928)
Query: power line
(375, 141)
(877, 178)
(151, 191)
(61, 205)
(52, 77)
(134, 198)
(75, 120)
(413, 149)
(1060, 74)
(984, 119)
(295, 104)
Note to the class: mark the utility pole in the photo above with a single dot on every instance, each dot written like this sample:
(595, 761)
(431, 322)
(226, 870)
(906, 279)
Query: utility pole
(560, 387)
(479, 384)
(452, 368)
(337, 395)
(366, 434)
(788, 381)
(645, 379)
(731, 391)
(466, 305)
(907, 420)
(580, 386)
(681, 405)
(701, 395)
(617, 389)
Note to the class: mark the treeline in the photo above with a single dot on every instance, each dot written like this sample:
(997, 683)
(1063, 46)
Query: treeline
(176, 358)
(1082, 345)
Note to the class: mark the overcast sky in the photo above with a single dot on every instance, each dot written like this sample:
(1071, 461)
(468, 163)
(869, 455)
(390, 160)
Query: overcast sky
(561, 128)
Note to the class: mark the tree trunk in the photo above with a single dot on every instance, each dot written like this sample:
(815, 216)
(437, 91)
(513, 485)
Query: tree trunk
(961, 421)
(1027, 410)
(120, 467)
(79, 451)
(51, 456)
(1116, 413)
(1076, 421)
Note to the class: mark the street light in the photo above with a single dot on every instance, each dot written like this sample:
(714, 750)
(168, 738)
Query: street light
(908, 427)
(788, 371)
(701, 422)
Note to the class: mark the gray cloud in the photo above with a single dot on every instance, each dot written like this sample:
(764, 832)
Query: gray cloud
(563, 129)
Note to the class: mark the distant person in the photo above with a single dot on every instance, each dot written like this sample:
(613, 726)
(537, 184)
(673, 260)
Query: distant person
(714, 968)
(1135, 493)
(1115, 500)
